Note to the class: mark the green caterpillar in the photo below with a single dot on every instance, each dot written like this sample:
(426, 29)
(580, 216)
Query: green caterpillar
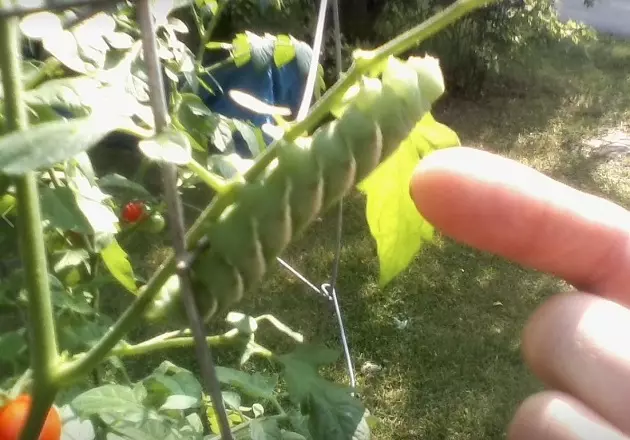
(308, 177)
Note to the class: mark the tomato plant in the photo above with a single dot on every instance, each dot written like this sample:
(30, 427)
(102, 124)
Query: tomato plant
(13, 418)
(82, 279)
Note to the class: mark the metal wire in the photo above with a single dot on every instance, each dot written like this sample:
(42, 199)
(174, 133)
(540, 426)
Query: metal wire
(327, 290)
(309, 88)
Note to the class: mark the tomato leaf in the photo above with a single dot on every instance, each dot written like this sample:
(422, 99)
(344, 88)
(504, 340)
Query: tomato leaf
(332, 410)
(60, 210)
(109, 398)
(65, 48)
(49, 143)
(248, 132)
(12, 344)
(254, 385)
(265, 429)
(394, 221)
(169, 146)
(117, 262)
(115, 181)
(91, 201)
(75, 94)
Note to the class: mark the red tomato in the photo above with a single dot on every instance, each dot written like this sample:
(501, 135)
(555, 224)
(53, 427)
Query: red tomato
(13, 418)
(133, 211)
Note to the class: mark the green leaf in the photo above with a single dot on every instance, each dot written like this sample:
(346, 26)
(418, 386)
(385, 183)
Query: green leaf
(170, 387)
(12, 344)
(249, 136)
(196, 118)
(229, 165)
(254, 385)
(82, 334)
(60, 210)
(241, 50)
(117, 262)
(65, 48)
(74, 94)
(63, 299)
(393, 219)
(119, 40)
(109, 398)
(333, 413)
(41, 25)
(91, 201)
(232, 399)
(49, 143)
(114, 182)
(284, 50)
(435, 135)
(169, 146)
(264, 430)
(179, 402)
(70, 258)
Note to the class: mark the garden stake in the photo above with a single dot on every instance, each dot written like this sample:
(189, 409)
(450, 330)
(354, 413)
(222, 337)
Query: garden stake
(176, 214)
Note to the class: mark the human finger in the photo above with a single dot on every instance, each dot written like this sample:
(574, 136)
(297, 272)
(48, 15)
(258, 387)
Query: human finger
(504, 207)
(552, 415)
(577, 343)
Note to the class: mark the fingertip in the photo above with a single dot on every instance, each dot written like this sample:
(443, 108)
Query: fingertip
(432, 183)
(552, 415)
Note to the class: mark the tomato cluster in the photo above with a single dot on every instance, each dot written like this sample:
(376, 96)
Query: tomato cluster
(13, 417)
(138, 212)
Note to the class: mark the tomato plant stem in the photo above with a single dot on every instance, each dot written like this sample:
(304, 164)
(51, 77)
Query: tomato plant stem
(41, 326)
(215, 182)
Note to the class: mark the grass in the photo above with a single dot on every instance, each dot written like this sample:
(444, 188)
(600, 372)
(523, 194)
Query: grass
(456, 371)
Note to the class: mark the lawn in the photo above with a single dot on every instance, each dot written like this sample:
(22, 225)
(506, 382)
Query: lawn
(455, 372)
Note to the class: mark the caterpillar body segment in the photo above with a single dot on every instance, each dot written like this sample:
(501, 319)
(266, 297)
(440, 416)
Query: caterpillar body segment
(307, 177)
(337, 163)
(297, 165)
(217, 283)
(394, 120)
(363, 136)
(236, 238)
(271, 208)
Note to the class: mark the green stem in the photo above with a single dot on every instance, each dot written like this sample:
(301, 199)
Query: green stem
(148, 347)
(129, 318)
(215, 182)
(217, 65)
(205, 39)
(42, 334)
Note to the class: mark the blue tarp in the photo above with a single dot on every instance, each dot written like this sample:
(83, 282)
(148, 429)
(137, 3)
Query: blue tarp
(279, 86)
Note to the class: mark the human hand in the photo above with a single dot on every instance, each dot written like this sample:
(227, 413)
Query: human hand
(577, 343)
